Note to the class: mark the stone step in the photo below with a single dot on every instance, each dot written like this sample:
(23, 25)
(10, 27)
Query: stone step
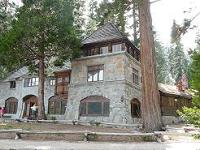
(79, 136)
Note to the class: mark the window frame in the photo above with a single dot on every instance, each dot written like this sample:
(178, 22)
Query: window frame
(31, 82)
(52, 82)
(115, 47)
(136, 77)
(11, 105)
(104, 103)
(12, 84)
(90, 72)
(103, 49)
(53, 110)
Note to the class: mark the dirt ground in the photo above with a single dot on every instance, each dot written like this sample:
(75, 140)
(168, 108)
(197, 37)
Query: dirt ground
(59, 127)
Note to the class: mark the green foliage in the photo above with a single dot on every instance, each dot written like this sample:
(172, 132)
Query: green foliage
(6, 14)
(162, 67)
(178, 63)
(42, 29)
(196, 136)
(191, 115)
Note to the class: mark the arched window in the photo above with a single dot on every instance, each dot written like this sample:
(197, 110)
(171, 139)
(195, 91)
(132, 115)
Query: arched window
(95, 106)
(135, 108)
(57, 105)
(11, 105)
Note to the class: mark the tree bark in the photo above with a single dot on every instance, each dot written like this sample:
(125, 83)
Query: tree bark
(41, 108)
(151, 112)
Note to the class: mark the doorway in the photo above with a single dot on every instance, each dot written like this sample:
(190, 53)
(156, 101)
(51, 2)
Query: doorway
(28, 102)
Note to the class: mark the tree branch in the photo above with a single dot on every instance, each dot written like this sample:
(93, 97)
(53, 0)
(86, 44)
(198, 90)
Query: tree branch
(154, 1)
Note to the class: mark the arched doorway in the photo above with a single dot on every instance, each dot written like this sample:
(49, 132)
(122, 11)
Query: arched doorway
(28, 102)
(135, 108)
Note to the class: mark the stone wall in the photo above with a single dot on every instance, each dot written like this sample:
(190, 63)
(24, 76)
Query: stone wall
(117, 86)
(20, 92)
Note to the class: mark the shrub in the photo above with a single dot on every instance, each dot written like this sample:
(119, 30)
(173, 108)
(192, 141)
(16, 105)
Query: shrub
(191, 115)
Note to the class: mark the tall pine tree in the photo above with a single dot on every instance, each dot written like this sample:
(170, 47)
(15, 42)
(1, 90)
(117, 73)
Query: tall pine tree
(43, 29)
(178, 62)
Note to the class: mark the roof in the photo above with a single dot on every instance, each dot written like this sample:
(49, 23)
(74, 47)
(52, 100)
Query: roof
(16, 74)
(107, 32)
(173, 90)
(24, 71)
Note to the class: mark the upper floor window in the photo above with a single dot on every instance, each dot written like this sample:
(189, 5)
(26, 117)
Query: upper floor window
(52, 82)
(104, 50)
(95, 73)
(135, 76)
(117, 48)
(31, 82)
(12, 84)
(62, 84)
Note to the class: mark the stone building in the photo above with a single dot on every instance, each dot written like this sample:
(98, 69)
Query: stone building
(104, 84)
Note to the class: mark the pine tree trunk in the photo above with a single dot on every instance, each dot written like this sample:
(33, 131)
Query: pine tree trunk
(41, 108)
(151, 113)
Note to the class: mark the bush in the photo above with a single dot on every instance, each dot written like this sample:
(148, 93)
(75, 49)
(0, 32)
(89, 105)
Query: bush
(191, 115)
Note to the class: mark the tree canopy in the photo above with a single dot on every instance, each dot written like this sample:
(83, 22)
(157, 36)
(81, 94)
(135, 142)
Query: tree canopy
(42, 30)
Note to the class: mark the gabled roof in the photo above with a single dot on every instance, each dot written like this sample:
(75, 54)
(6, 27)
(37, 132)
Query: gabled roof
(107, 32)
(173, 90)
(17, 74)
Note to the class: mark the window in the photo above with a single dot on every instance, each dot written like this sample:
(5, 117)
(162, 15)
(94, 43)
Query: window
(12, 84)
(95, 106)
(104, 50)
(11, 105)
(135, 108)
(52, 82)
(95, 73)
(117, 48)
(62, 84)
(135, 76)
(57, 106)
(93, 51)
(31, 82)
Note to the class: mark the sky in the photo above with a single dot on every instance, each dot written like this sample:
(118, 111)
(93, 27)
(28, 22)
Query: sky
(165, 11)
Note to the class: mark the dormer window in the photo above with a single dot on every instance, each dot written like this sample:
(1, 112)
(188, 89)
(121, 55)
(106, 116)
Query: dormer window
(29, 82)
(12, 84)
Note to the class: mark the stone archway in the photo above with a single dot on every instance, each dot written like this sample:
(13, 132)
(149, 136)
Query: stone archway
(135, 108)
(28, 102)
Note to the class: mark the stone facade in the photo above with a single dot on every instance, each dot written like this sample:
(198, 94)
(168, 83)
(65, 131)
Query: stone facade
(119, 58)
(20, 92)
(117, 86)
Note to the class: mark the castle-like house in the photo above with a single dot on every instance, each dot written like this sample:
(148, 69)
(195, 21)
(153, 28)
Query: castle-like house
(104, 84)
